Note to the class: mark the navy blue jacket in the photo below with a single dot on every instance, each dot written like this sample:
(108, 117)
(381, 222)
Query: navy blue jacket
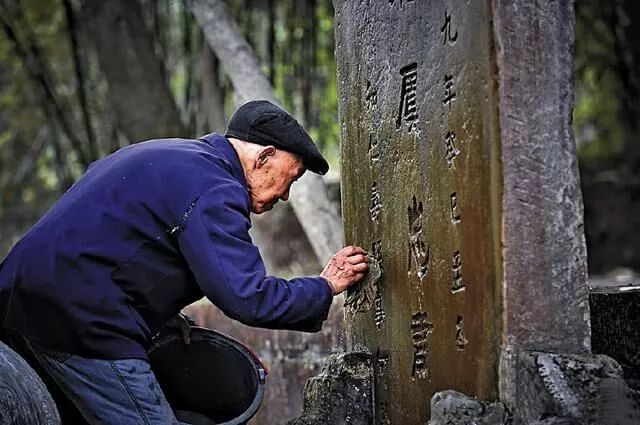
(146, 231)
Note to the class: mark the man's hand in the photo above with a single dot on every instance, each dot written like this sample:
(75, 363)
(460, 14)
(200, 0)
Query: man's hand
(346, 267)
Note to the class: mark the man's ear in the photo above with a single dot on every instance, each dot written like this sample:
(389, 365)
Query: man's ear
(264, 154)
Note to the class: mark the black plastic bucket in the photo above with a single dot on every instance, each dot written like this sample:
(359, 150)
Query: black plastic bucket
(212, 380)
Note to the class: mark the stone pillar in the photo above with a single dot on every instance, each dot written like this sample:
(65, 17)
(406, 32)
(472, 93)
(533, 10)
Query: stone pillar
(460, 177)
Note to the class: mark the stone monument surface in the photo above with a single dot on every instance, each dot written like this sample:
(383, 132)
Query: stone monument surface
(470, 206)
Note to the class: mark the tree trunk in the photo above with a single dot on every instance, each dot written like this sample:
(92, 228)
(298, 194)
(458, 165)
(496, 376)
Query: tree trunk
(212, 91)
(138, 92)
(309, 199)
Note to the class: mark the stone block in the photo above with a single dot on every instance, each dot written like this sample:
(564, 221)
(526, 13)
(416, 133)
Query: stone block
(615, 326)
(586, 389)
(341, 394)
(459, 175)
(454, 408)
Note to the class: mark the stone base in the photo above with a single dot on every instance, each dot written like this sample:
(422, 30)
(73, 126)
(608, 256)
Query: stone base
(451, 407)
(341, 394)
(584, 389)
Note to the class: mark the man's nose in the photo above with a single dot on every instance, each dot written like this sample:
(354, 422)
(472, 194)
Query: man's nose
(285, 195)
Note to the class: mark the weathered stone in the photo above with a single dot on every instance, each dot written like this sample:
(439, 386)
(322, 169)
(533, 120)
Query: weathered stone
(342, 394)
(459, 166)
(454, 408)
(615, 326)
(419, 156)
(588, 389)
(545, 305)
(361, 297)
(24, 399)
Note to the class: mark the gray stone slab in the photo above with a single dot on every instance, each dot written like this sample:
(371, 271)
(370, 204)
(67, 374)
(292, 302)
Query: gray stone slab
(460, 178)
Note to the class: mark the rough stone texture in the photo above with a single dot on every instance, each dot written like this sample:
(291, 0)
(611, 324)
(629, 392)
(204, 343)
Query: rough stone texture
(342, 394)
(615, 326)
(585, 389)
(420, 188)
(544, 255)
(361, 296)
(454, 408)
(24, 399)
(459, 168)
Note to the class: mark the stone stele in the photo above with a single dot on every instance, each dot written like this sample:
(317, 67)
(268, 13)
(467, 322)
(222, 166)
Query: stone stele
(460, 178)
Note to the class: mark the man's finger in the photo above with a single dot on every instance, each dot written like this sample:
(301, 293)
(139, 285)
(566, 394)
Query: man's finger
(361, 267)
(358, 258)
(352, 250)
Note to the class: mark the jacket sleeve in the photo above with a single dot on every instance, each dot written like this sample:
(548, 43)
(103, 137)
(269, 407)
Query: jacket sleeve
(228, 268)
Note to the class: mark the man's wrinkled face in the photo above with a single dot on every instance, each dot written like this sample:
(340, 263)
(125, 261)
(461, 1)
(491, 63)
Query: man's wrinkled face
(273, 174)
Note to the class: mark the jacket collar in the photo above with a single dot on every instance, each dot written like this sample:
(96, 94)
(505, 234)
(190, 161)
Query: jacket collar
(223, 145)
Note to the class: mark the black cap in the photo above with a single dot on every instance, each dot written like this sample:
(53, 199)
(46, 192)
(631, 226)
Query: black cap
(264, 123)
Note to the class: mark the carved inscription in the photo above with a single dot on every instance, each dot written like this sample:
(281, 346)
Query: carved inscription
(378, 310)
(380, 369)
(408, 111)
(376, 203)
(455, 213)
(376, 250)
(457, 284)
(378, 307)
(371, 95)
(382, 360)
(363, 296)
(449, 94)
(421, 328)
(374, 151)
(384, 414)
(447, 36)
(451, 150)
(418, 247)
(461, 341)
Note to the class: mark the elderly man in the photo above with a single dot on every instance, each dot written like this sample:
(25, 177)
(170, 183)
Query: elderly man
(146, 231)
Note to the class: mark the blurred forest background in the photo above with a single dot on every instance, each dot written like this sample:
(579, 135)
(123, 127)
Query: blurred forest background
(81, 78)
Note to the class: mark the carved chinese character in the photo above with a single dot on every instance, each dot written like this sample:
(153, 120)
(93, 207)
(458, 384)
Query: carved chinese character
(421, 328)
(408, 111)
(384, 414)
(418, 247)
(366, 295)
(461, 341)
(449, 94)
(451, 150)
(457, 284)
(455, 213)
(376, 203)
(446, 31)
(371, 95)
(382, 360)
(378, 310)
(374, 151)
(376, 250)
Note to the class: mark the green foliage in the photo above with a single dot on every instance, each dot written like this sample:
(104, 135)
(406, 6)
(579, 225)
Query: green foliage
(303, 60)
(38, 160)
(606, 75)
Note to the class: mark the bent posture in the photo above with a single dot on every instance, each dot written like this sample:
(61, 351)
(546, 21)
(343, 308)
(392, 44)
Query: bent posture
(146, 231)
